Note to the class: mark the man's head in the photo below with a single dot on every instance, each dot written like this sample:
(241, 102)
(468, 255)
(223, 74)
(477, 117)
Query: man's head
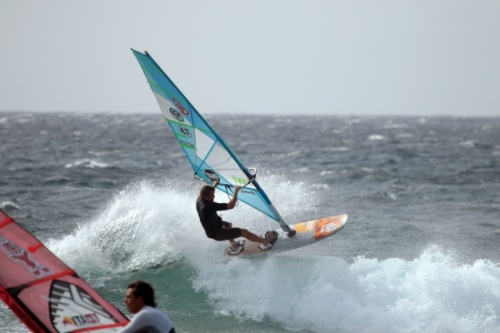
(207, 193)
(139, 294)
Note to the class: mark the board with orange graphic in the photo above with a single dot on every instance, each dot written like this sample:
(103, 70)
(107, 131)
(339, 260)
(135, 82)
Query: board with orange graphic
(307, 233)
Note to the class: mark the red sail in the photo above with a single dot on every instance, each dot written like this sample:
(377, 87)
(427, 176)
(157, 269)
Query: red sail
(44, 293)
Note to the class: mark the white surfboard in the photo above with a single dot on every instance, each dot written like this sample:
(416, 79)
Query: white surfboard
(307, 233)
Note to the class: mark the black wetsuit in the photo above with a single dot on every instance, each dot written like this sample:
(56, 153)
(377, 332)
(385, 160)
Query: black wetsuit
(214, 227)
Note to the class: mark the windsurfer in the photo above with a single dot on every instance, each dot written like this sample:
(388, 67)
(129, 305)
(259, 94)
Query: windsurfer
(140, 300)
(215, 227)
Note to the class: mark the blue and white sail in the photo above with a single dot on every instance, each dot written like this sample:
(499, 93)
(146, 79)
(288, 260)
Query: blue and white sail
(209, 156)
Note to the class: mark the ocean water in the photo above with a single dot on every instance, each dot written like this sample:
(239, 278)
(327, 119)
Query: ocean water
(113, 197)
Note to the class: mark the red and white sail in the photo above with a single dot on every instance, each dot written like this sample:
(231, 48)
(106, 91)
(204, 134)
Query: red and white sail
(44, 293)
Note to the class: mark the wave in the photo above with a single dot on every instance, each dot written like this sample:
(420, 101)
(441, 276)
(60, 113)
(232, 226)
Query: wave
(433, 293)
(149, 225)
(9, 205)
(86, 163)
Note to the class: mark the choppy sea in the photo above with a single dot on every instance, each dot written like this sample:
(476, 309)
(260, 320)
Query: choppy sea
(113, 197)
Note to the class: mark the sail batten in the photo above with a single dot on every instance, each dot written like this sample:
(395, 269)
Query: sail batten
(206, 151)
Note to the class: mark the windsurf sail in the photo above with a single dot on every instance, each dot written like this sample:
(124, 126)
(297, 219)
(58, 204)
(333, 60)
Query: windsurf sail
(44, 293)
(209, 156)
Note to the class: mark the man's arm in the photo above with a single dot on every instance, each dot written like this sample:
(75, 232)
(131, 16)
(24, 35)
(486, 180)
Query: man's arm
(234, 199)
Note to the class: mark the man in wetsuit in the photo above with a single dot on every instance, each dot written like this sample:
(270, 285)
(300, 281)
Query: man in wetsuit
(140, 300)
(220, 230)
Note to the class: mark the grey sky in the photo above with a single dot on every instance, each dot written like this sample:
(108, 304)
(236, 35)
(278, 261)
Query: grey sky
(261, 56)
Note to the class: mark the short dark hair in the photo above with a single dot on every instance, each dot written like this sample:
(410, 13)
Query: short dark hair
(144, 290)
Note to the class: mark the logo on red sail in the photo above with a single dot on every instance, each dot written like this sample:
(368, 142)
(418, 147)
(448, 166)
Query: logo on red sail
(71, 305)
(21, 255)
(81, 320)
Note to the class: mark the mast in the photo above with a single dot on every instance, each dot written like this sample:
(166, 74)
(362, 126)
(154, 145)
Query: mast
(290, 232)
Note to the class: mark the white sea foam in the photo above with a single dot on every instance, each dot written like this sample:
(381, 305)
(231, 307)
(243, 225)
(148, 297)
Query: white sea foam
(143, 226)
(376, 137)
(8, 204)
(432, 293)
(86, 163)
(467, 144)
(147, 224)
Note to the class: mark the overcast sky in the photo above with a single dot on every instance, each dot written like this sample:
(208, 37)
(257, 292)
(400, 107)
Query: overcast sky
(352, 57)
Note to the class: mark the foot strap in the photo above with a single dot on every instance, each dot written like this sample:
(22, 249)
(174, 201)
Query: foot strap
(271, 236)
(265, 248)
(234, 251)
(239, 242)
